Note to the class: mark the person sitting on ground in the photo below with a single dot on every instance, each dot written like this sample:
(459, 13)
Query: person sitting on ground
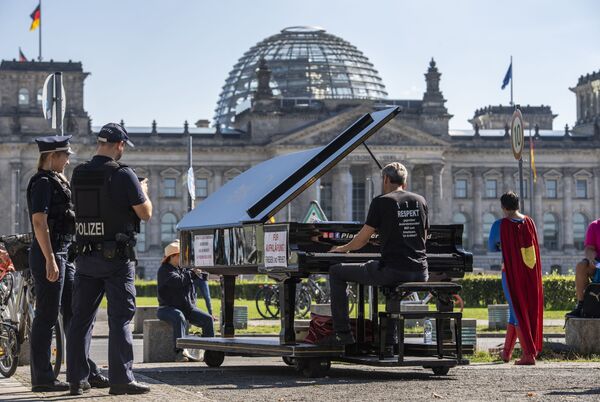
(177, 300)
(401, 219)
(588, 268)
(516, 236)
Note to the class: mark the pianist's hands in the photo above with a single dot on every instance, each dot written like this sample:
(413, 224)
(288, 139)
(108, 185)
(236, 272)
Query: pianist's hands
(338, 249)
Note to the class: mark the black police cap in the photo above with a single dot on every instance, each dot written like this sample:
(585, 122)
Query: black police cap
(54, 143)
(113, 132)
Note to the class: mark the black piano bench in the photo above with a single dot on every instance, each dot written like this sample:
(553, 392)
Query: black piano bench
(442, 292)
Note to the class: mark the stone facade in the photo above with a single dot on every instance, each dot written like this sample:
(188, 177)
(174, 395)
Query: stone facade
(461, 174)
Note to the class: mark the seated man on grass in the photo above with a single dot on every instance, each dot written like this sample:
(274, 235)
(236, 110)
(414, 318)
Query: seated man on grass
(177, 300)
(588, 268)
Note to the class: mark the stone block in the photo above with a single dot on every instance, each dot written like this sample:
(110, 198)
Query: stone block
(301, 329)
(582, 335)
(498, 316)
(25, 353)
(158, 341)
(413, 322)
(142, 314)
(321, 309)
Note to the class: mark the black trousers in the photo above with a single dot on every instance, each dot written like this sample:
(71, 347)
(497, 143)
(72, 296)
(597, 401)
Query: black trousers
(47, 305)
(66, 308)
(369, 273)
(94, 277)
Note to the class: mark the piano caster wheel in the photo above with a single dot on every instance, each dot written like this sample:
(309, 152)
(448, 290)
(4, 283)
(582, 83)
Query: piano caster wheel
(212, 358)
(440, 370)
(313, 367)
(290, 361)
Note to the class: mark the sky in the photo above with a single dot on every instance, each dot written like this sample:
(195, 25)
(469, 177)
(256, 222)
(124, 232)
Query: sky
(167, 60)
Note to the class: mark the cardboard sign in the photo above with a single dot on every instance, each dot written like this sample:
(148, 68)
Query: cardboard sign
(203, 250)
(276, 249)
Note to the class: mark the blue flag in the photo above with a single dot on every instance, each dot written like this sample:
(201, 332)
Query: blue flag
(508, 76)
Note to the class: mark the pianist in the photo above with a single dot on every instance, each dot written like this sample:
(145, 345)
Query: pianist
(177, 300)
(400, 217)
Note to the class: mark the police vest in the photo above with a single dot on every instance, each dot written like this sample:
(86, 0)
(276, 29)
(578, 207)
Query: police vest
(61, 217)
(98, 218)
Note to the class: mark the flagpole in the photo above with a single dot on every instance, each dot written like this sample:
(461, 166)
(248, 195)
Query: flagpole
(40, 44)
(512, 78)
(531, 204)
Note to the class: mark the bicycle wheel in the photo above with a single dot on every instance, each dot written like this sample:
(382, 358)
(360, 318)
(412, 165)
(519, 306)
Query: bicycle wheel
(261, 303)
(272, 302)
(57, 347)
(9, 350)
(303, 302)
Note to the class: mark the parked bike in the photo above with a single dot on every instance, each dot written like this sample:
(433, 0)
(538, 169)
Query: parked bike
(18, 307)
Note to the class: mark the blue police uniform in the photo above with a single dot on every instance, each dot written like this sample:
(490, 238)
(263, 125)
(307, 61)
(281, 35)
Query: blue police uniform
(48, 192)
(104, 192)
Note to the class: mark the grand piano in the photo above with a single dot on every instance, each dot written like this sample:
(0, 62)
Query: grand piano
(232, 233)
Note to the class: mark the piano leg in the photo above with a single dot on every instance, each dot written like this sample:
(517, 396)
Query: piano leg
(227, 300)
(375, 313)
(360, 318)
(287, 303)
(445, 304)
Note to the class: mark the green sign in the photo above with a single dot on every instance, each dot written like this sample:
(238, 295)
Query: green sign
(315, 213)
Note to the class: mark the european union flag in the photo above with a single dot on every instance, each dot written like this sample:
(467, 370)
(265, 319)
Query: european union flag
(508, 76)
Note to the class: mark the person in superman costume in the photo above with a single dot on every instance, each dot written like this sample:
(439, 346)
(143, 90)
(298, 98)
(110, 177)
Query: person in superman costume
(516, 236)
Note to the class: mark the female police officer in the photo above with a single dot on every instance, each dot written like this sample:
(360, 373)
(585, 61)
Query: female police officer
(52, 219)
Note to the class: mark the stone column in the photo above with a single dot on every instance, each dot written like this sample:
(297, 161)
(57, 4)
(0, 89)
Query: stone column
(301, 203)
(341, 188)
(217, 179)
(477, 208)
(567, 209)
(153, 225)
(539, 212)
(596, 194)
(435, 207)
(376, 179)
(15, 197)
(508, 181)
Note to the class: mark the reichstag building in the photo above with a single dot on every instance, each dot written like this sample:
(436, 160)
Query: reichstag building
(298, 89)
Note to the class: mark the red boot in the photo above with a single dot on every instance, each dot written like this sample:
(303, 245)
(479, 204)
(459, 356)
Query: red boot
(528, 357)
(509, 343)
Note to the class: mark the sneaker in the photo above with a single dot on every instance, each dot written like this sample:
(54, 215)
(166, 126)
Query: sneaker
(575, 313)
(337, 339)
(194, 355)
(99, 381)
(180, 357)
(79, 388)
(133, 388)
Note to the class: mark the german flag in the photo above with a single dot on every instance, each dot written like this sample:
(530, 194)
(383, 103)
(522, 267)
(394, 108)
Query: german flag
(22, 57)
(36, 16)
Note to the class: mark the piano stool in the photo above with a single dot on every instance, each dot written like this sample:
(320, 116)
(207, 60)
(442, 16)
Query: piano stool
(442, 292)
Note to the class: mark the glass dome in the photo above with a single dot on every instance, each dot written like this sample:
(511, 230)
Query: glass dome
(306, 62)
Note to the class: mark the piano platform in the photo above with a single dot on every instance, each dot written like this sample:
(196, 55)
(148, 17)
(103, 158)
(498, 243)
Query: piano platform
(230, 233)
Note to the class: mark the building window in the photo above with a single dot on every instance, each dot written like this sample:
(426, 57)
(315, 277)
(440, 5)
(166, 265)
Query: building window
(581, 188)
(201, 188)
(461, 219)
(460, 188)
(23, 97)
(326, 199)
(488, 221)
(551, 188)
(550, 231)
(579, 228)
(169, 187)
(141, 238)
(168, 233)
(491, 188)
(358, 201)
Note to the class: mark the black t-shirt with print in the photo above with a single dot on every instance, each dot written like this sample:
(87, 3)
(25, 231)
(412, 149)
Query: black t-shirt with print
(400, 217)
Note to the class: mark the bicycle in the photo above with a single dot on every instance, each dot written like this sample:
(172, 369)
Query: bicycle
(16, 314)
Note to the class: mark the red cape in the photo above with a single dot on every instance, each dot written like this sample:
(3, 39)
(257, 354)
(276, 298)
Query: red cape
(523, 267)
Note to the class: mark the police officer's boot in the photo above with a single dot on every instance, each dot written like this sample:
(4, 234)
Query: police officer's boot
(132, 388)
(78, 388)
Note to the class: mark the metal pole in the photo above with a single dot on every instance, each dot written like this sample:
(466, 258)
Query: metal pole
(190, 201)
(531, 205)
(521, 184)
(40, 34)
(59, 102)
(512, 78)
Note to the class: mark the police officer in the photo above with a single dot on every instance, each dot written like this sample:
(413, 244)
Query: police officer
(109, 203)
(52, 219)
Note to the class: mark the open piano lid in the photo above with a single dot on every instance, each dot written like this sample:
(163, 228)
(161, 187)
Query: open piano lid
(261, 191)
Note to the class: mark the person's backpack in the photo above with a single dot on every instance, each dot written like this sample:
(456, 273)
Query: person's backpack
(591, 301)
